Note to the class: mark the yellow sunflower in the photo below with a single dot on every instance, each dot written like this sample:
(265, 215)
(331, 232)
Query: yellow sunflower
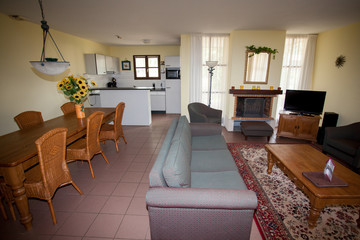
(80, 81)
(83, 87)
(94, 83)
(82, 93)
(76, 96)
(68, 87)
(60, 85)
(67, 81)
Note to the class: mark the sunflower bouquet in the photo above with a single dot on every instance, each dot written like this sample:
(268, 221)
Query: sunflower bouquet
(75, 88)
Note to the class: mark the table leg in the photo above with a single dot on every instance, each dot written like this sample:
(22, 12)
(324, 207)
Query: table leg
(270, 163)
(14, 176)
(315, 209)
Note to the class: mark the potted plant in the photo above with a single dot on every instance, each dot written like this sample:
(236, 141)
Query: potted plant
(77, 90)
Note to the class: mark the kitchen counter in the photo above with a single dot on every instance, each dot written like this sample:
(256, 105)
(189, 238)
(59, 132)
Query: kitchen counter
(137, 102)
(128, 88)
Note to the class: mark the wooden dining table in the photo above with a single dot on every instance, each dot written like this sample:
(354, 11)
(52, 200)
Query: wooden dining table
(18, 153)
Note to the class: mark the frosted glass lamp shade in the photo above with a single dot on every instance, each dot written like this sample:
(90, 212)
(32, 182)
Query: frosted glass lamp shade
(211, 63)
(50, 68)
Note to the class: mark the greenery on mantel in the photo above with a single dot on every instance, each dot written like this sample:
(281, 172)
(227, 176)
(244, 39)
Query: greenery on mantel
(258, 50)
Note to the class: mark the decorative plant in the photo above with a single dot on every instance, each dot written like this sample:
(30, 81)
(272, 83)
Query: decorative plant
(258, 50)
(75, 88)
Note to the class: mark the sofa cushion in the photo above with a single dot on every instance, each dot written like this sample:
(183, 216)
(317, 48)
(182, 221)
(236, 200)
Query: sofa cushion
(156, 176)
(212, 161)
(176, 169)
(227, 180)
(183, 131)
(208, 142)
(348, 146)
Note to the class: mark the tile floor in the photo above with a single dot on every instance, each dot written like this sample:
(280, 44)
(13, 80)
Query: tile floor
(113, 204)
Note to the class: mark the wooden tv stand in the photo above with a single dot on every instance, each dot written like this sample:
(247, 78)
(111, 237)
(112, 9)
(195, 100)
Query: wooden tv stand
(298, 126)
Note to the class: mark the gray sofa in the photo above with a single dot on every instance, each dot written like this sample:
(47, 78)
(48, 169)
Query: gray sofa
(196, 191)
(344, 143)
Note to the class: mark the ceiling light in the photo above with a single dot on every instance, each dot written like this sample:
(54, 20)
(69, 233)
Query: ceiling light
(49, 66)
(118, 37)
(146, 41)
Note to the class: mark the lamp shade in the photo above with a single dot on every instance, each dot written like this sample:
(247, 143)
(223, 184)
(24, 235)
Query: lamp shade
(50, 68)
(211, 63)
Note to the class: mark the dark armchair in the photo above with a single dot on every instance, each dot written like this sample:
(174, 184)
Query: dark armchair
(199, 112)
(344, 143)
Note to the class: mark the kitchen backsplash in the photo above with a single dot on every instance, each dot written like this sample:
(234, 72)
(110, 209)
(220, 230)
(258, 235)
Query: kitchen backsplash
(125, 79)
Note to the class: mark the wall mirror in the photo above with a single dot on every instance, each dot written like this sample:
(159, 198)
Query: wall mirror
(257, 67)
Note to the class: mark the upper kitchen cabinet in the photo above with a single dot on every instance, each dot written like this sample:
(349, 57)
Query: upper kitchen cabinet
(98, 64)
(172, 62)
(112, 64)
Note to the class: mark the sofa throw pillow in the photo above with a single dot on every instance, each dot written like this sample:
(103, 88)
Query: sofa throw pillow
(176, 169)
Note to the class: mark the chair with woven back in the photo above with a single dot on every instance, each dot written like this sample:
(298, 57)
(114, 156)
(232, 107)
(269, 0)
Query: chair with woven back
(28, 119)
(6, 193)
(52, 172)
(68, 107)
(84, 149)
(114, 132)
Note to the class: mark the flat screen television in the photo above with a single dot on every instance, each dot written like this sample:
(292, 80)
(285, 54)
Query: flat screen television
(304, 101)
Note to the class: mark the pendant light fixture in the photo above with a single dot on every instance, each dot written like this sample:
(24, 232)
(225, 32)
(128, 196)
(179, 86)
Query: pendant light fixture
(49, 66)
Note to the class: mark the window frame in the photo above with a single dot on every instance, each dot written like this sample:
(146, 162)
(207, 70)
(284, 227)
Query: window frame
(146, 67)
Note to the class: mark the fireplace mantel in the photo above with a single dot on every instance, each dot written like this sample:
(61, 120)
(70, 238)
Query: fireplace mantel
(240, 106)
(254, 92)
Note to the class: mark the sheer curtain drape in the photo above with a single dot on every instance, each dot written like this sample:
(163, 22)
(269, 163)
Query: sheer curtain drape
(298, 63)
(209, 48)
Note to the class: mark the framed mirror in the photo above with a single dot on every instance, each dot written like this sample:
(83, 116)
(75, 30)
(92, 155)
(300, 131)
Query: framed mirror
(257, 67)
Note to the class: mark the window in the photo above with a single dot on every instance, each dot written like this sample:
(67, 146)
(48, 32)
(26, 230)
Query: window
(146, 67)
(215, 48)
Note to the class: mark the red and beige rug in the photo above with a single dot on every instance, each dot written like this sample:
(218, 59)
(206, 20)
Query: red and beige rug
(283, 209)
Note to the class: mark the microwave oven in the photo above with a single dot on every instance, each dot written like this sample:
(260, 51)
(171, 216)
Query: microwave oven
(173, 73)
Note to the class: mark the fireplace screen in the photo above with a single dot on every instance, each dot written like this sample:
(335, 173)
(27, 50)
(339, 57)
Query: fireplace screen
(253, 107)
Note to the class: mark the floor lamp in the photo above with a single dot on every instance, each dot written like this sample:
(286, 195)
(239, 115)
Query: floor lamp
(211, 65)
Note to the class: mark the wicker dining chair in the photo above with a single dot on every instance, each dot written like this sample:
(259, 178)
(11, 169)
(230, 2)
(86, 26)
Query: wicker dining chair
(84, 149)
(6, 193)
(28, 119)
(114, 132)
(52, 172)
(68, 107)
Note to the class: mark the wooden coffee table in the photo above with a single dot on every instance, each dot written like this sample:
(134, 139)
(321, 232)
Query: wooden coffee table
(294, 159)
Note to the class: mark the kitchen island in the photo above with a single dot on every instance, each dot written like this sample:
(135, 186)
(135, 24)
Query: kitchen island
(137, 102)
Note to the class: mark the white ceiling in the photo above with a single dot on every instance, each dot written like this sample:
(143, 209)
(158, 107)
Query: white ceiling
(162, 21)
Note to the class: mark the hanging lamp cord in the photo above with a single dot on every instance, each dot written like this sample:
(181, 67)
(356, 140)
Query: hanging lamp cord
(45, 27)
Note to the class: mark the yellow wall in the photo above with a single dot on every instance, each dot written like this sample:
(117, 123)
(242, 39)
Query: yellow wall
(22, 87)
(127, 52)
(238, 41)
(341, 84)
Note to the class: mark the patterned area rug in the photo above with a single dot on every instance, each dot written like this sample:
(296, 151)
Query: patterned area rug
(283, 208)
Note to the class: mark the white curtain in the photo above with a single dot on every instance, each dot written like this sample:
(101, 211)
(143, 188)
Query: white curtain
(298, 63)
(195, 68)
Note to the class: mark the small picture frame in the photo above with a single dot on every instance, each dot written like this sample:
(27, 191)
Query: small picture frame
(329, 169)
(126, 65)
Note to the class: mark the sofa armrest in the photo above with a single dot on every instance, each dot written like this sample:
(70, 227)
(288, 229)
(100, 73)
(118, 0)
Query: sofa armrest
(205, 129)
(201, 198)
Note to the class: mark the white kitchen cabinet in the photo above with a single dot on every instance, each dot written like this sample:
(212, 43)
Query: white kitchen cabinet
(112, 64)
(95, 64)
(157, 101)
(173, 96)
(172, 62)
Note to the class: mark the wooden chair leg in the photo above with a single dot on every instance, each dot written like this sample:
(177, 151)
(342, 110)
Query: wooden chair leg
(116, 145)
(104, 156)
(2, 209)
(91, 170)
(52, 211)
(76, 187)
(12, 211)
(124, 139)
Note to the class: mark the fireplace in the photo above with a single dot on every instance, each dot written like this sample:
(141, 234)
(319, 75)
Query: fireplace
(253, 104)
